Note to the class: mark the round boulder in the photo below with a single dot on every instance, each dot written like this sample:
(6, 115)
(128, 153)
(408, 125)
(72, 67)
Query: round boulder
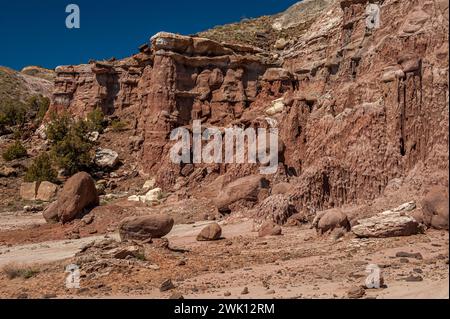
(330, 220)
(210, 233)
(435, 208)
(78, 195)
(269, 228)
(145, 227)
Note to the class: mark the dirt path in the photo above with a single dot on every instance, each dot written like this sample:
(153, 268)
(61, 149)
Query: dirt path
(52, 251)
(12, 221)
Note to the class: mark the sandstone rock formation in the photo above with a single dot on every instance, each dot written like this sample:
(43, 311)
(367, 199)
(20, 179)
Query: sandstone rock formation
(145, 227)
(78, 195)
(357, 107)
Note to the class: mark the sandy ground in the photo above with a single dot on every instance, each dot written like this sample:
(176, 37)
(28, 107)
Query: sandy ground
(298, 264)
(11, 221)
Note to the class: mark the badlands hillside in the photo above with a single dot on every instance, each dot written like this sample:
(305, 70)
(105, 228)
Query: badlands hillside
(360, 101)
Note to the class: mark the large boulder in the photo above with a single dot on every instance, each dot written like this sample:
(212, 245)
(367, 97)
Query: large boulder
(210, 233)
(435, 208)
(391, 223)
(330, 220)
(145, 227)
(46, 191)
(246, 188)
(51, 213)
(78, 195)
(28, 191)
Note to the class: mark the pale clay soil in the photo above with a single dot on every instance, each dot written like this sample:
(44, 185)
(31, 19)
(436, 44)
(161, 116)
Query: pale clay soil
(298, 264)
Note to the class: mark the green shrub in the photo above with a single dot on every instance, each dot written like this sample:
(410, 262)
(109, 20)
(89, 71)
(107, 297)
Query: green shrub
(118, 126)
(96, 120)
(12, 113)
(41, 170)
(59, 127)
(14, 151)
(73, 153)
(39, 104)
(70, 146)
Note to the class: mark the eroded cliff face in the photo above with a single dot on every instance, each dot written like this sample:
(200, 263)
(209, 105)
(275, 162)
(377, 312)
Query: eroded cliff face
(361, 108)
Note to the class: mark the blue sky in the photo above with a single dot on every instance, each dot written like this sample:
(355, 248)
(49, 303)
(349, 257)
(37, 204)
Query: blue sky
(33, 32)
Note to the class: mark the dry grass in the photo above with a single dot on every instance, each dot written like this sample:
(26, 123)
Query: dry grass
(11, 87)
(14, 270)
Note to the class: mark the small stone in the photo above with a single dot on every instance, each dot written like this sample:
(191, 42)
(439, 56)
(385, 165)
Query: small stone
(106, 158)
(6, 171)
(150, 184)
(126, 252)
(176, 296)
(33, 208)
(356, 292)
(271, 292)
(153, 196)
(88, 219)
(414, 278)
(245, 291)
(269, 228)
(402, 254)
(404, 260)
(167, 285)
(227, 294)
